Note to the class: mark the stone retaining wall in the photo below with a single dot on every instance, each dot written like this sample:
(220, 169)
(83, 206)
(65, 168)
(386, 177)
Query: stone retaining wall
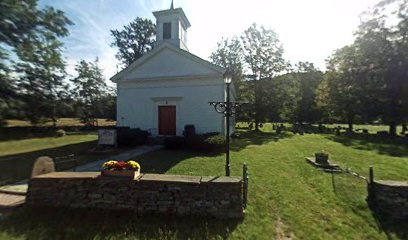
(390, 198)
(219, 197)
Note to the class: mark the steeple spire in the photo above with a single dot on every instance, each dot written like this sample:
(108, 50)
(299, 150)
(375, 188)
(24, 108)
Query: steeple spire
(171, 27)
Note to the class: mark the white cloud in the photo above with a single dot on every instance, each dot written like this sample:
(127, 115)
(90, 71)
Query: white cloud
(309, 30)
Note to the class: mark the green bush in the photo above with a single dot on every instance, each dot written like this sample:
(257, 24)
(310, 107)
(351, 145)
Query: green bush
(174, 143)
(209, 142)
(214, 143)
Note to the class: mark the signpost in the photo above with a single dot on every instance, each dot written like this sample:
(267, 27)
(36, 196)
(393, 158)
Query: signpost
(107, 137)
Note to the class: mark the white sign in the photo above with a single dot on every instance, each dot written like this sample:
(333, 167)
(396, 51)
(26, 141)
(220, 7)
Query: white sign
(107, 137)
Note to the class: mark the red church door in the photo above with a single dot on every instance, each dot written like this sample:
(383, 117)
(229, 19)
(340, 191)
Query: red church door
(167, 120)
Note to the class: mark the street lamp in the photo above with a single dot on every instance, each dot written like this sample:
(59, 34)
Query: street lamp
(229, 109)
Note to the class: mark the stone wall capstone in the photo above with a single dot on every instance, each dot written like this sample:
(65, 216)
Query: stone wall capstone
(219, 197)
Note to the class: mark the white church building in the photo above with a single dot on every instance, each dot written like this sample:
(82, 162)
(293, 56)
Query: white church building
(170, 87)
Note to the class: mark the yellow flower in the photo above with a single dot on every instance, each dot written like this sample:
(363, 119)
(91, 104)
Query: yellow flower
(134, 164)
(109, 164)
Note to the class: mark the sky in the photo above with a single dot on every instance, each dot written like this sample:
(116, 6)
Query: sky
(310, 30)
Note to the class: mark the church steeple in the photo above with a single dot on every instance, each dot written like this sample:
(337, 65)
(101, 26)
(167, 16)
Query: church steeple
(171, 27)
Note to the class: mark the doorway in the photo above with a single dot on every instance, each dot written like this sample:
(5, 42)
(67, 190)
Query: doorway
(167, 120)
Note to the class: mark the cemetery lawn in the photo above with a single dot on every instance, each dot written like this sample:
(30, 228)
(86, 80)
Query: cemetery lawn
(60, 122)
(17, 156)
(288, 198)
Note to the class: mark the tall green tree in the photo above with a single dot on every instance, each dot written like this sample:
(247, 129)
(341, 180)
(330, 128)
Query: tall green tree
(229, 55)
(308, 79)
(340, 92)
(41, 73)
(23, 25)
(33, 35)
(134, 40)
(384, 48)
(89, 90)
(263, 57)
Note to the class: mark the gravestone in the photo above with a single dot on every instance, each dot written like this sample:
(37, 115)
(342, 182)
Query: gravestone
(43, 165)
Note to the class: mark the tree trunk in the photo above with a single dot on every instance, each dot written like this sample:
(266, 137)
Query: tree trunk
(350, 121)
(257, 108)
(54, 118)
(393, 128)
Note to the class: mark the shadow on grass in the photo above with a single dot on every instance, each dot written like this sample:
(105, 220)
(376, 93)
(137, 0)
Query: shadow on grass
(352, 191)
(392, 227)
(246, 138)
(51, 223)
(163, 160)
(396, 146)
(18, 166)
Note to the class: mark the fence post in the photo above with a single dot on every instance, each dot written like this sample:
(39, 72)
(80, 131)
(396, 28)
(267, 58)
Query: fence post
(371, 174)
(371, 189)
(245, 185)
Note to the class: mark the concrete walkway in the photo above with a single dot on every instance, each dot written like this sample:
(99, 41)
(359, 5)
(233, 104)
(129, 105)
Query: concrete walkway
(20, 188)
(96, 166)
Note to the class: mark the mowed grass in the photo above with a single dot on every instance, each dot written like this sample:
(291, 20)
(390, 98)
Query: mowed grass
(371, 128)
(17, 156)
(60, 122)
(35, 144)
(288, 198)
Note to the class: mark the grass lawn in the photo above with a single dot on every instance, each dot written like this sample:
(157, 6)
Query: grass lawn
(17, 156)
(370, 128)
(288, 198)
(60, 122)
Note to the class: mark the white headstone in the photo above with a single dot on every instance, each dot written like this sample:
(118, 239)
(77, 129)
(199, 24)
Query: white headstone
(43, 165)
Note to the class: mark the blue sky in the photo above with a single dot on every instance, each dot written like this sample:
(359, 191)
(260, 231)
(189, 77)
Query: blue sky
(309, 30)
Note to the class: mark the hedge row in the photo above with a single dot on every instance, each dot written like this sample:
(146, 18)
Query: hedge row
(210, 142)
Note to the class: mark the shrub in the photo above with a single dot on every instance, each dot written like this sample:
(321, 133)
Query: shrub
(60, 133)
(173, 143)
(209, 142)
(128, 137)
(189, 131)
(214, 143)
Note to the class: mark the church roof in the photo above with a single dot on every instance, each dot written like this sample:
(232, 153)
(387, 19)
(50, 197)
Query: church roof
(173, 11)
(126, 73)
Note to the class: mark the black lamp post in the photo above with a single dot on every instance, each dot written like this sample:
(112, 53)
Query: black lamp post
(227, 108)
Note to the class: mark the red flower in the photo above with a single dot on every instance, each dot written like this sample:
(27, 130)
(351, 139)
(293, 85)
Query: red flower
(121, 165)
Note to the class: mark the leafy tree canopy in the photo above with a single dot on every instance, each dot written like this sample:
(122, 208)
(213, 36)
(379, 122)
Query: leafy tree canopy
(134, 40)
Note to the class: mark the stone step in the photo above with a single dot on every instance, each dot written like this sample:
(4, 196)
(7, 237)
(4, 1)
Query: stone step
(10, 201)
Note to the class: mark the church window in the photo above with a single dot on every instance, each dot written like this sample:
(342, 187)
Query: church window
(167, 30)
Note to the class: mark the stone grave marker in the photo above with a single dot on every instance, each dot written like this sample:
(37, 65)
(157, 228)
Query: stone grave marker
(43, 165)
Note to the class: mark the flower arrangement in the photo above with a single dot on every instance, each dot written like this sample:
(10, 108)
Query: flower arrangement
(121, 165)
(121, 168)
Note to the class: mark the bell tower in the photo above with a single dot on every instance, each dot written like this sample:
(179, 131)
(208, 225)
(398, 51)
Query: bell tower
(171, 27)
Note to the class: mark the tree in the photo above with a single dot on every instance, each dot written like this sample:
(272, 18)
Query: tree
(89, 90)
(135, 40)
(229, 55)
(308, 79)
(29, 32)
(342, 91)
(41, 71)
(263, 57)
(384, 47)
